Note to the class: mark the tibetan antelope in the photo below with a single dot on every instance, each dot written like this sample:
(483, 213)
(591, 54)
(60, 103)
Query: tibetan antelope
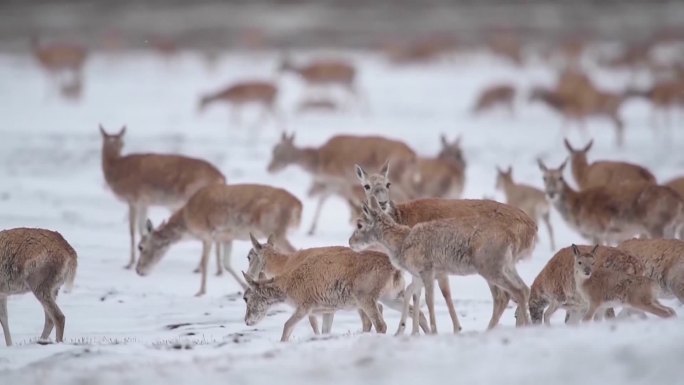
(440, 177)
(220, 214)
(325, 283)
(523, 228)
(59, 58)
(39, 261)
(332, 163)
(603, 172)
(602, 288)
(665, 96)
(529, 199)
(325, 73)
(145, 180)
(269, 262)
(554, 287)
(263, 93)
(610, 215)
(458, 246)
(664, 262)
(494, 96)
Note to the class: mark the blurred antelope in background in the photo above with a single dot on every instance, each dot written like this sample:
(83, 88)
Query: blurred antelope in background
(603, 172)
(331, 165)
(145, 180)
(529, 199)
(40, 261)
(610, 215)
(555, 286)
(258, 92)
(523, 228)
(267, 262)
(665, 96)
(458, 246)
(220, 214)
(329, 282)
(602, 288)
(494, 96)
(440, 177)
(325, 72)
(60, 59)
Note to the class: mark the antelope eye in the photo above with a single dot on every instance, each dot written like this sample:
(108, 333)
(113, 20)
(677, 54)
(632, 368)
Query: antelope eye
(579, 263)
(140, 248)
(388, 185)
(359, 226)
(366, 186)
(249, 257)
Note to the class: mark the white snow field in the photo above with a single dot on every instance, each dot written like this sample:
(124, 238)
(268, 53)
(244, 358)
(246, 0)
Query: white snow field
(122, 328)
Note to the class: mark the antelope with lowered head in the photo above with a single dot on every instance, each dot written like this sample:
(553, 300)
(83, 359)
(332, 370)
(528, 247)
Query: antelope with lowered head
(440, 177)
(603, 172)
(221, 214)
(457, 246)
(269, 262)
(325, 283)
(332, 163)
(664, 262)
(554, 287)
(411, 213)
(529, 199)
(325, 72)
(493, 96)
(601, 288)
(610, 215)
(261, 92)
(40, 261)
(145, 180)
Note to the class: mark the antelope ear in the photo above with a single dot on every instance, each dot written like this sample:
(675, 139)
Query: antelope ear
(291, 138)
(149, 227)
(250, 282)
(122, 132)
(102, 130)
(568, 146)
(360, 173)
(271, 240)
(588, 146)
(509, 171)
(283, 136)
(457, 142)
(542, 166)
(385, 169)
(562, 166)
(445, 142)
(366, 210)
(594, 249)
(575, 250)
(255, 243)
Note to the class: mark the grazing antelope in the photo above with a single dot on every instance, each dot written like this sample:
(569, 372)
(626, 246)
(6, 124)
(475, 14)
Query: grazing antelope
(323, 284)
(459, 246)
(145, 180)
(529, 199)
(555, 285)
(424, 210)
(664, 262)
(331, 163)
(602, 288)
(440, 177)
(507, 46)
(237, 95)
(610, 215)
(39, 261)
(422, 50)
(223, 213)
(325, 73)
(60, 57)
(269, 262)
(493, 96)
(604, 172)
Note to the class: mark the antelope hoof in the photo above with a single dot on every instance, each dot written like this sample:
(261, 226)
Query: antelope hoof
(219, 273)
(196, 271)
(44, 342)
(200, 293)
(129, 266)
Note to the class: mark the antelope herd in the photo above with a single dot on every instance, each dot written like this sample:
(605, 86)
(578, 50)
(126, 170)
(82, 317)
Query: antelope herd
(407, 212)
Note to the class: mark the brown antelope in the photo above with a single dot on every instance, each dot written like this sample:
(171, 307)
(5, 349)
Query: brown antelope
(59, 57)
(610, 215)
(664, 262)
(664, 96)
(354, 201)
(604, 172)
(677, 185)
(239, 94)
(325, 283)
(507, 46)
(459, 246)
(269, 262)
(332, 163)
(411, 213)
(529, 199)
(417, 51)
(145, 180)
(493, 96)
(39, 261)
(325, 72)
(223, 213)
(318, 105)
(555, 285)
(440, 177)
(602, 288)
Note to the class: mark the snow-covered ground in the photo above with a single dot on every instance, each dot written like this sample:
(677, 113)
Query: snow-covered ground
(121, 327)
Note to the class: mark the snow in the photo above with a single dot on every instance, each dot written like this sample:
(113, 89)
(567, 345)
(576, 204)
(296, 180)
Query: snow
(124, 328)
